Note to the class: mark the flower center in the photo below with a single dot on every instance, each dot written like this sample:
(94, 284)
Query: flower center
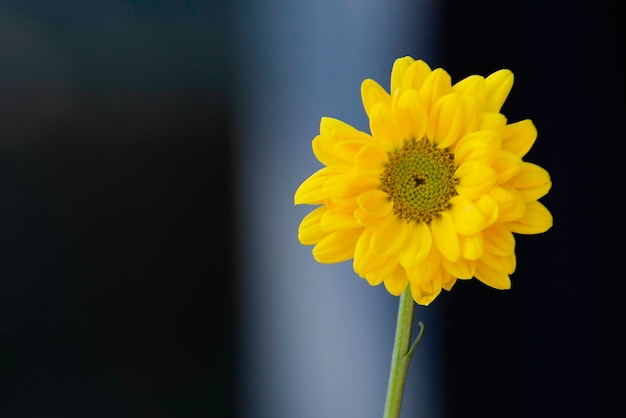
(420, 180)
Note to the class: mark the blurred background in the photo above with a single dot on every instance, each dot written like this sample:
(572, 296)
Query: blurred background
(149, 152)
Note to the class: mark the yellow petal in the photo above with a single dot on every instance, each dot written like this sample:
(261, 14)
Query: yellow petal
(343, 201)
(335, 220)
(474, 179)
(417, 246)
(375, 203)
(519, 137)
(505, 264)
(323, 148)
(371, 157)
(472, 246)
(472, 113)
(480, 146)
(338, 131)
(493, 278)
(468, 218)
(462, 269)
(415, 75)
(410, 114)
(373, 94)
(346, 205)
(489, 207)
(365, 260)
(532, 181)
(473, 86)
(426, 278)
(436, 85)
(310, 230)
(400, 67)
(389, 238)
(536, 220)
(499, 240)
(367, 220)
(491, 120)
(311, 191)
(384, 128)
(330, 153)
(447, 280)
(377, 276)
(397, 281)
(445, 236)
(511, 206)
(351, 183)
(447, 122)
(337, 246)
(328, 125)
(499, 85)
(506, 164)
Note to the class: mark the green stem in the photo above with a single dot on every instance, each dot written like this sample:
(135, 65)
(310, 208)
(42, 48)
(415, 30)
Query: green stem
(402, 354)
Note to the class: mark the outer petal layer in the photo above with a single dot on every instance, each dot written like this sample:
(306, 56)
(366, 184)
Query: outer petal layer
(310, 231)
(499, 85)
(536, 220)
(445, 236)
(337, 247)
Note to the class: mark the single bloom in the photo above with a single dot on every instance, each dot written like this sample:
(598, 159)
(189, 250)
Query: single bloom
(434, 193)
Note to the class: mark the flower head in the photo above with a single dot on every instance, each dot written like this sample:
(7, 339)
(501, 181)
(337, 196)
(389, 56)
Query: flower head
(434, 193)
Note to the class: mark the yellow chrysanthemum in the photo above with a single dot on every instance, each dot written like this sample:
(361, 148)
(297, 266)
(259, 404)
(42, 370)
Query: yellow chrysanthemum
(437, 190)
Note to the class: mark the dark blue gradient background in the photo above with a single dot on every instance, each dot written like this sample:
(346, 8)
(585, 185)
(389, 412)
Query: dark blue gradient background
(115, 175)
(121, 215)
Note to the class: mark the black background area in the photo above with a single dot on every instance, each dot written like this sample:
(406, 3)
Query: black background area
(115, 171)
(538, 349)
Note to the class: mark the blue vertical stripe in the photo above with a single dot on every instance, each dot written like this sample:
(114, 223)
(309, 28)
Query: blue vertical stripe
(314, 340)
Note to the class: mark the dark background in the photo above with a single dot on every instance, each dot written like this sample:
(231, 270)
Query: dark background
(115, 172)
(116, 281)
(538, 350)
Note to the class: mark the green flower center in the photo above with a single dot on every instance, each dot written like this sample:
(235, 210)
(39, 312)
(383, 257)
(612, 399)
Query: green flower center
(420, 180)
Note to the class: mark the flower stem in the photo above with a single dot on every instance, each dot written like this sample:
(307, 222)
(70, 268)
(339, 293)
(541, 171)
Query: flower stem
(402, 354)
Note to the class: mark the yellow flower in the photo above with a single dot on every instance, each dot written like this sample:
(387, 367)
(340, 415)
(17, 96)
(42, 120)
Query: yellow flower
(437, 190)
